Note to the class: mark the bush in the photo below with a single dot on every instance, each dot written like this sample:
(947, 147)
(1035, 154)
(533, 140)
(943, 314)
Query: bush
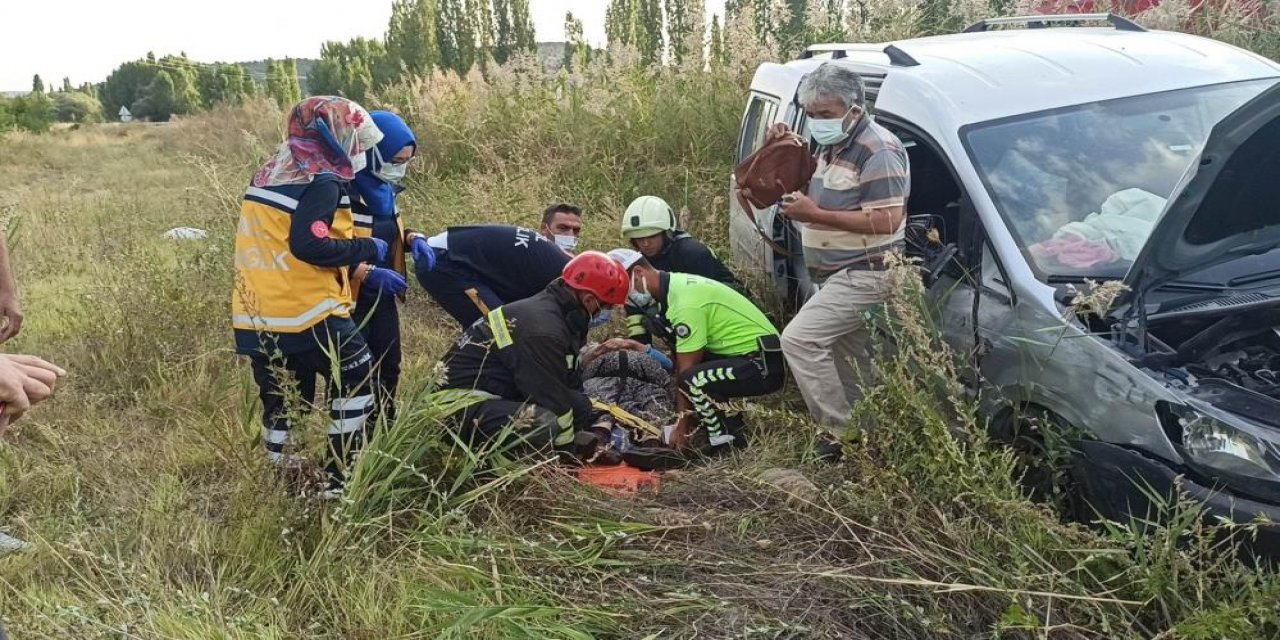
(32, 112)
(74, 106)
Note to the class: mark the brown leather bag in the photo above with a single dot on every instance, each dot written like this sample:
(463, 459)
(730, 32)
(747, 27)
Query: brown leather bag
(777, 168)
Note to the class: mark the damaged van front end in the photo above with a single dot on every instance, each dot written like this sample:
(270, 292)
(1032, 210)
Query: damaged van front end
(1201, 316)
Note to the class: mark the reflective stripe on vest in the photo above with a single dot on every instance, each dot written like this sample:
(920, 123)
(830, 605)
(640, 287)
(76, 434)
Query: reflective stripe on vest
(498, 327)
(565, 437)
(290, 324)
(274, 290)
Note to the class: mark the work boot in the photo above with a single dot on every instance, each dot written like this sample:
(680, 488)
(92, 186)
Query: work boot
(828, 448)
(590, 446)
(659, 458)
(299, 475)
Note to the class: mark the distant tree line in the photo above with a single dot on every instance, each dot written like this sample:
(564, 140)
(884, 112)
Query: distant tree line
(39, 109)
(157, 89)
(424, 36)
(151, 88)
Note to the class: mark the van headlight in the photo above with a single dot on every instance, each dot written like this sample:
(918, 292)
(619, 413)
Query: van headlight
(1245, 457)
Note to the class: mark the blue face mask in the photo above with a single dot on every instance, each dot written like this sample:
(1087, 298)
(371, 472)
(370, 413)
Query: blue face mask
(600, 318)
(829, 131)
(640, 296)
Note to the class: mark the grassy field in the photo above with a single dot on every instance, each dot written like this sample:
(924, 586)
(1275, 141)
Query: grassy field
(154, 515)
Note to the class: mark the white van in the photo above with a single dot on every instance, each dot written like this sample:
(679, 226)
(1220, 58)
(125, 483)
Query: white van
(1045, 153)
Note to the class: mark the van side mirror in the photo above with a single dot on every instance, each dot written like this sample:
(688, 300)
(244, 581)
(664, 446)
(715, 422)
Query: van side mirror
(935, 263)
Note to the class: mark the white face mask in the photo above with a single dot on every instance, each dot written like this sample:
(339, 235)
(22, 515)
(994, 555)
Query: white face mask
(392, 173)
(386, 171)
(568, 243)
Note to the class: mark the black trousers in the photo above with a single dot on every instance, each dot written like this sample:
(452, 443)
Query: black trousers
(287, 387)
(461, 291)
(719, 379)
(378, 317)
(534, 428)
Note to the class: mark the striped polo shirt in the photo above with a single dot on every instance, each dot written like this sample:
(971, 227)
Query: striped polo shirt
(869, 170)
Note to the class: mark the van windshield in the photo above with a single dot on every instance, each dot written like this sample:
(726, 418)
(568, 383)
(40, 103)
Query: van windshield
(1081, 187)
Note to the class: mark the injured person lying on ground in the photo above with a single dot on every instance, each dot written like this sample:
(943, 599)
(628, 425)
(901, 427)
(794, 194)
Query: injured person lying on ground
(632, 382)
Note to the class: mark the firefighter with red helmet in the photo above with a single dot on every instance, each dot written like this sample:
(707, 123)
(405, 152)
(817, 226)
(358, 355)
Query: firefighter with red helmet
(522, 359)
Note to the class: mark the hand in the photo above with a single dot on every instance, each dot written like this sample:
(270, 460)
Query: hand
(615, 344)
(798, 207)
(424, 257)
(778, 130)
(621, 344)
(680, 435)
(12, 312)
(24, 381)
(387, 281)
(382, 248)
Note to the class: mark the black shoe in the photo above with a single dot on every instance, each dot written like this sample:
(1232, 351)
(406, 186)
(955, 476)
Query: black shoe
(828, 449)
(655, 458)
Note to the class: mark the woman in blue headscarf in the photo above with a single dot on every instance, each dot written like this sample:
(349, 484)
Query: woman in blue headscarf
(374, 202)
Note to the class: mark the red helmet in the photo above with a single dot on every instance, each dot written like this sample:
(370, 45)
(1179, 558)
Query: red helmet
(595, 272)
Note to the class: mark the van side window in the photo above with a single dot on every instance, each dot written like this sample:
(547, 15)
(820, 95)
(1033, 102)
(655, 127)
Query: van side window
(755, 126)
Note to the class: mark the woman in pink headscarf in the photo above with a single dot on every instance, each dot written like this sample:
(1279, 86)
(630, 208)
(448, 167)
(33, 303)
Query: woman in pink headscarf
(299, 252)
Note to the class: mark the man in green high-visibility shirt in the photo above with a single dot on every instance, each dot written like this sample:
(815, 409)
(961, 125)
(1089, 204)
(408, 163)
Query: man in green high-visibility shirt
(725, 348)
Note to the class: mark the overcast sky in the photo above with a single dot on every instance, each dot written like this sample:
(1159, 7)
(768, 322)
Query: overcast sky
(86, 39)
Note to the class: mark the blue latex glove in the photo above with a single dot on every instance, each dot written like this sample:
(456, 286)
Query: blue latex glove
(661, 357)
(424, 257)
(382, 248)
(387, 281)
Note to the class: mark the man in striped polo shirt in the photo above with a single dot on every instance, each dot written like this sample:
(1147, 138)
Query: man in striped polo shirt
(853, 214)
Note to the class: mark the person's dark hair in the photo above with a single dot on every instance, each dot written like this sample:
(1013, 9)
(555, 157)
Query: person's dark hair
(563, 207)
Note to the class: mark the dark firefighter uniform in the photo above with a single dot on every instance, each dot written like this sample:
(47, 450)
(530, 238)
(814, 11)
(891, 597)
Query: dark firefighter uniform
(483, 267)
(524, 358)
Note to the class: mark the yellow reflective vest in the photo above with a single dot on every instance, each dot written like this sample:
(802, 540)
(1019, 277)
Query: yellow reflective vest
(273, 290)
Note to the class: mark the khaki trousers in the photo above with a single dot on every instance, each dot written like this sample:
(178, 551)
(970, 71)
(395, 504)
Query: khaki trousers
(827, 345)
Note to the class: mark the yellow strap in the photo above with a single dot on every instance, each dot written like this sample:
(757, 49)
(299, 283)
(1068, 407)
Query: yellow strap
(626, 417)
(475, 299)
(636, 326)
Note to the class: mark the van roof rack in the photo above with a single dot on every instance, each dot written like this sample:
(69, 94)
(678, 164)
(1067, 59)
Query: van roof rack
(1041, 21)
(897, 57)
(838, 50)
